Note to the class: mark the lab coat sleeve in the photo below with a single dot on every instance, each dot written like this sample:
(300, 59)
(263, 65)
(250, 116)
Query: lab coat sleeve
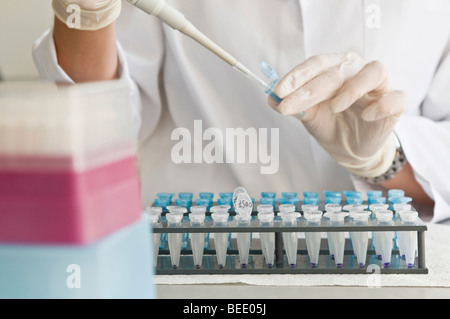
(426, 140)
(46, 61)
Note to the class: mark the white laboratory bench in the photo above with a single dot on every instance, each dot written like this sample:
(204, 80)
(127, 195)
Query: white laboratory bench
(239, 291)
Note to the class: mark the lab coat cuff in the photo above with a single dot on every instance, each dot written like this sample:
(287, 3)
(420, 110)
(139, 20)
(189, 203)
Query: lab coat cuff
(46, 61)
(427, 153)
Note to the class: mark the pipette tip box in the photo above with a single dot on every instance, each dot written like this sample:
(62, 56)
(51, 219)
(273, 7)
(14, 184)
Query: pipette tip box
(117, 266)
(67, 162)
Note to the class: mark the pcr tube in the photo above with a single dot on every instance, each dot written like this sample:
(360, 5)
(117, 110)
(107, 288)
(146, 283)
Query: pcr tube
(401, 207)
(375, 238)
(243, 239)
(336, 240)
(309, 208)
(311, 201)
(310, 194)
(332, 197)
(290, 239)
(265, 216)
(354, 206)
(197, 218)
(268, 201)
(384, 217)
(237, 191)
(360, 239)
(179, 210)
(287, 195)
(154, 214)
(313, 218)
(174, 220)
(408, 239)
(397, 209)
(220, 218)
(268, 195)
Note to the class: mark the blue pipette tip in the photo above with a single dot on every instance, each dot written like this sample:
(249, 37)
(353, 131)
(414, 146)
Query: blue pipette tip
(361, 265)
(386, 265)
(338, 265)
(379, 257)
(275, 97)
(174, 266)
(313, 265)
(267, 70)
(270, 73)
(292, 265)
(269, 265)
(410, 265)
(220, 266)
(243, 265)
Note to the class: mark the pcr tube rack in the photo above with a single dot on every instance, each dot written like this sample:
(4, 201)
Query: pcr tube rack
(326, 263)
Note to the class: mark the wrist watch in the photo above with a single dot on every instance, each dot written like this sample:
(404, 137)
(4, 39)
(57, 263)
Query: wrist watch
(397, 164)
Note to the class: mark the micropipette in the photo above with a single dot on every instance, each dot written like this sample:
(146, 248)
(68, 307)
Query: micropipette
(176, 20)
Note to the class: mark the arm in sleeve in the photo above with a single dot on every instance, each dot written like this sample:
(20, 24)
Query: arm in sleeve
(426, 140)
(139, 53)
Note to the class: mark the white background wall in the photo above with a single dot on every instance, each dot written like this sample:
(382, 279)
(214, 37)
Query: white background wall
(21, 23)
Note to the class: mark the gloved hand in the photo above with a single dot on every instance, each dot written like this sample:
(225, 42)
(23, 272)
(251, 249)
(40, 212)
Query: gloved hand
(347, 106)
(94, 14)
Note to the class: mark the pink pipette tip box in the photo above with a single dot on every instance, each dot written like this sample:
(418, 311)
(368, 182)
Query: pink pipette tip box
(67, 207)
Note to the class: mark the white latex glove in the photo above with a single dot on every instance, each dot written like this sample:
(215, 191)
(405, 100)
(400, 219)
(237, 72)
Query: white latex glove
(347, 107)
(94, 14)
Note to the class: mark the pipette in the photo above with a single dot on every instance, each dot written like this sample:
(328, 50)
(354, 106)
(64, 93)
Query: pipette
(176, 20)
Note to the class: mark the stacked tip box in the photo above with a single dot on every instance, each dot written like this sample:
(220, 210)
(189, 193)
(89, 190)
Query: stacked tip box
(67, 163)
(69, 191)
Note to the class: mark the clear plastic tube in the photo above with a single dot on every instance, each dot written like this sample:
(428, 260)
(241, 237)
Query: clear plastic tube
(408, 239)
(397, 208)
(313, 239)
(174, 239)
(360, 239)
(375, 235)
(180, 210)
(265, 216)
(243, 240)
(197, 218)
(336, 240)
(384, 217)
(309, 208)
(290, 239)
(272, 75)
(220, 217)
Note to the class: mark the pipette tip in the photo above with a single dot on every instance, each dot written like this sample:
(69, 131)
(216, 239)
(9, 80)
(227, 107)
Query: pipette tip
(251, 75)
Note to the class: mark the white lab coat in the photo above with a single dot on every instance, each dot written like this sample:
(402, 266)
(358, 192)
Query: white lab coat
(179, 81)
